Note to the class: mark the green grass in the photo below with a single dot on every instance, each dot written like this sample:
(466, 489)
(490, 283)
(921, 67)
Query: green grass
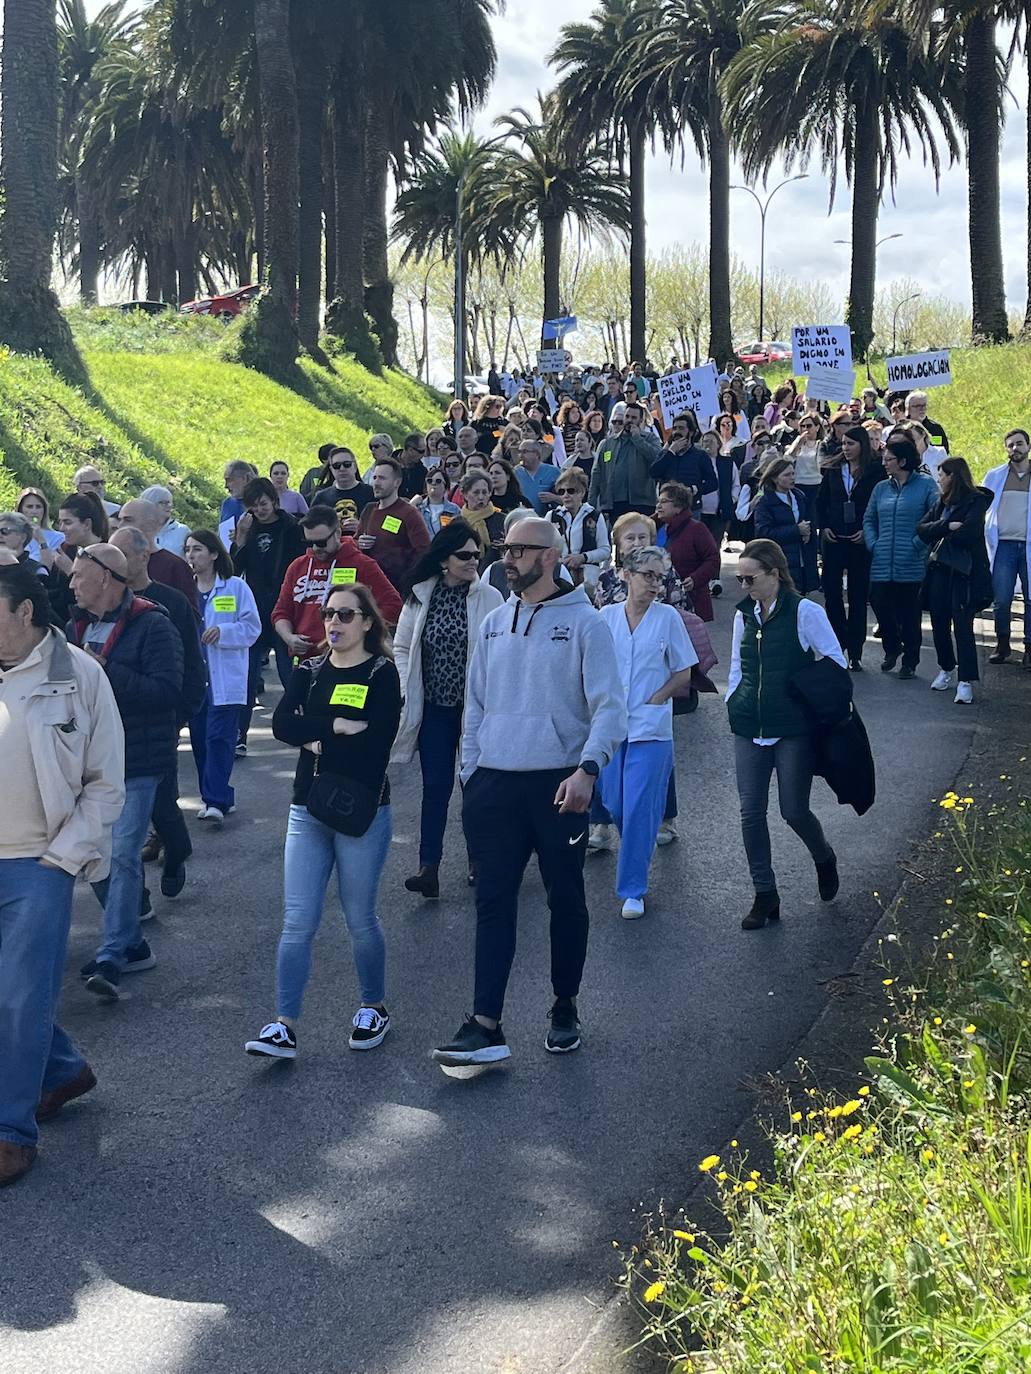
(990, 394)
(162, 407)
(895, 1232)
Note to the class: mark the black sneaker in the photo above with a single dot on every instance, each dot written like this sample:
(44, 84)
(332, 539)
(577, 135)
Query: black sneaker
(173, 879)
(855, 665)
(564, 1035)
(139, 958)
(473, 1044)
(906, 674)
(240, 751)
(370, 1028)
(103, 981)
(276, 1040)
(888, 666)
(827, 878)
(146, 910)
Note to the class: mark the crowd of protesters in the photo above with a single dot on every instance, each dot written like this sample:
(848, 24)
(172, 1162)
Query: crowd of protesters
(520, 596)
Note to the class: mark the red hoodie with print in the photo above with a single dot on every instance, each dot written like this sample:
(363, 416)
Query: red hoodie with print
(307, 583)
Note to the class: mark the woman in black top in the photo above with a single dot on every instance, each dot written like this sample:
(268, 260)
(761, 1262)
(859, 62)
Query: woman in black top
(841, 503)
(342, 710)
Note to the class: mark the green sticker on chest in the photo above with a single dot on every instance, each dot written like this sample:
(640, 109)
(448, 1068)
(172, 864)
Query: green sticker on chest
(342, 576)
(391, 524)
(349, 694)
(224, 603)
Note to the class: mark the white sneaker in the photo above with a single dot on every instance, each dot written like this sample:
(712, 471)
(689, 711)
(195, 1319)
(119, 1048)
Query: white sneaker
(601, 838)
(964, 693)
(942, 682)
(667, 833)
(212, 814)
(633, 909)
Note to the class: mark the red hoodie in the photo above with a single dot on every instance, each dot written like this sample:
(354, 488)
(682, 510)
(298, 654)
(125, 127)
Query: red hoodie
(307, 583)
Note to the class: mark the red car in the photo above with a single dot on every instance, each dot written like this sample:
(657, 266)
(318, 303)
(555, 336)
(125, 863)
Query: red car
(225, 307)
(765, 353)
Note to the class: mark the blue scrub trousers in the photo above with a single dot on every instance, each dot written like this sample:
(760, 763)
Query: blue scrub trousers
(633, 791)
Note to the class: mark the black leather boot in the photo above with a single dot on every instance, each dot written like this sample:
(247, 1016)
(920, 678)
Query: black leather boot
(1002, 650)
(765, 907)
(425, 882)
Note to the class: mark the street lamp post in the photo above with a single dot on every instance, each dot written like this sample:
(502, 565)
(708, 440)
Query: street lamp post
(763, 207)
(895, 318)
(459, 291)
(877, 245)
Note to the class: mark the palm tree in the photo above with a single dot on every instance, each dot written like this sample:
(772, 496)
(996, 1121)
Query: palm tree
(850, 79)
(545, 181)
(678, 60)
(594, 98)
(30, 318)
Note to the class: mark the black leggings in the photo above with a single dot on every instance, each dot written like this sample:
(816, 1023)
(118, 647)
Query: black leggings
(946, 621)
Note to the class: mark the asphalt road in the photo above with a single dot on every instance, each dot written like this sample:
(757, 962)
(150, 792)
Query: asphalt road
(363, 1214)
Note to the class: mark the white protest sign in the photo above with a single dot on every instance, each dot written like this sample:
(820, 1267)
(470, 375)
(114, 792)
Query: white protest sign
(919, 370)
(830, 384)
(692, 388)
(821, 345)
(552, 359)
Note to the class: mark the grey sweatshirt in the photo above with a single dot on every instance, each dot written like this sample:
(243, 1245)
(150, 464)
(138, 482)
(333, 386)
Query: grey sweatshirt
(544, 689)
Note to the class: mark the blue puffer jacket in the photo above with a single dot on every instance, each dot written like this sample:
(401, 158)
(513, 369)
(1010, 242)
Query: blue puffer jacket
(889, 528)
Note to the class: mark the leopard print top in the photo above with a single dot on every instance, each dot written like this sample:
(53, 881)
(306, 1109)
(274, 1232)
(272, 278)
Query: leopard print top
(445, 640)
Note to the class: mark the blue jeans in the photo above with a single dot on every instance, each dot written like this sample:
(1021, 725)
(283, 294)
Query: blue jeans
(1009, 567)
(633, 789)
(439, 736)
(121, 894)
(311, 851)
(214, 731)
(35, 1053)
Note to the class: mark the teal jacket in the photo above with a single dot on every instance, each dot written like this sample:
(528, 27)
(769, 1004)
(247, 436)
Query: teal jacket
(889, 528)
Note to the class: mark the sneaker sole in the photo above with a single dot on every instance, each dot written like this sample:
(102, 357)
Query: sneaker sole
(562, 1049)
(631, 915)
(100, 987)
(142, 966)
(369, 1044)
(270, 1051)
(663, 840)
(493, 1054)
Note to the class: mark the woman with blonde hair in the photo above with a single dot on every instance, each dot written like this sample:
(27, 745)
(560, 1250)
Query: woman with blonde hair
(455, 417)
(489, 422)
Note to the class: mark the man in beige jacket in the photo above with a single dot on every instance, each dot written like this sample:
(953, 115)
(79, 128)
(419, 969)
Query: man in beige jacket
(62, 746)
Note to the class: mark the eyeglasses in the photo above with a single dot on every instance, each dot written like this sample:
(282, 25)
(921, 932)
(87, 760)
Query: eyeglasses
(85, 553)
(566, 491)
(434, 481)
(648, 575)
(453, 463)
(341, 467)
(317, 543)
(465, 555)
(5, 530)
(516, 551)
(93, 482)
(750, 579)
(345, 614)
(377, 443)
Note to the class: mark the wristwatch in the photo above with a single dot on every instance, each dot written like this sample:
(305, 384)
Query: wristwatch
(589, 767)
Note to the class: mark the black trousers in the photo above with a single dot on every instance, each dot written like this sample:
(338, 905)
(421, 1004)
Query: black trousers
(946, 621)
(168, 823)
(897, 608)
(267, 640)
(624, 507)
(845, 563)
(507, 817)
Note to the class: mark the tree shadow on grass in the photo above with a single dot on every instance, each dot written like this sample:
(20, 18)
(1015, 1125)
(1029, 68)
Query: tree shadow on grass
(318, 391)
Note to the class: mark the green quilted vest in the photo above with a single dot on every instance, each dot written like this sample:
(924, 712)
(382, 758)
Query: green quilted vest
(761, 707)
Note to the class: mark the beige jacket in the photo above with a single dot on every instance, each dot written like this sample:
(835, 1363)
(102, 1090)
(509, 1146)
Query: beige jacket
(483, 598)
(78, 749)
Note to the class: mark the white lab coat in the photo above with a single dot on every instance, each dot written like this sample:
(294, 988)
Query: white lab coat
(648, 658)
(995, 480)
(239, 626)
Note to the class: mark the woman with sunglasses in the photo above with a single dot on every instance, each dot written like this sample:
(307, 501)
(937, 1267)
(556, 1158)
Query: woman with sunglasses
(505, 491)
(436, 634)
(489, 422)
(231, 623)
(583, 530)
(434, 507)
(482, 516)
(453, 475)
(341, 710)
(776, 632)
(844, 494)
(806, 452)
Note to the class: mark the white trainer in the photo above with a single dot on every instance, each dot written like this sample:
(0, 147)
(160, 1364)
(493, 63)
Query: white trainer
(633, 909)
(667, 833)
(964, 693)
(942, 682)
(602, 838)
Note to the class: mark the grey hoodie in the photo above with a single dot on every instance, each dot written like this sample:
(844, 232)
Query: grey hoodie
(544, 689)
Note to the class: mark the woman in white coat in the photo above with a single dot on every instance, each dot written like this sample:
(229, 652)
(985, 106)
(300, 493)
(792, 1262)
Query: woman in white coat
(231, 625)
(438, 628)
(655, 658)
(583, 529)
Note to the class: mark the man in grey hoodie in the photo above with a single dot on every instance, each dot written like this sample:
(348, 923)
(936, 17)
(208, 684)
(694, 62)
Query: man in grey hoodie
(544, 713)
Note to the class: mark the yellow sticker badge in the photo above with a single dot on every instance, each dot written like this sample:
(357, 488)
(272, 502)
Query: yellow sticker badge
(391, 524)
(349, 694)
(224, 603)
(342, 577)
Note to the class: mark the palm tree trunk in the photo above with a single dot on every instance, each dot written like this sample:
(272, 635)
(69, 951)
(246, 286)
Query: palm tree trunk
(30, 318)
(865, 204)
(721, 342)
(638, 347)
(345, 314)
(981, 119)
(379, 290)
(329, 210)
(310, 60)
(1025, 332)
(552, 234)
(89, 241)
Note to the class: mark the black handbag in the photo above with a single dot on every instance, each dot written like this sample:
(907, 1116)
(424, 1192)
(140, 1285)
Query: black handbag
(344, 804)
(947, 555)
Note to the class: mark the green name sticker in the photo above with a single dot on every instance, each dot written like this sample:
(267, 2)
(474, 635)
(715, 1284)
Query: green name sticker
(349, 694)
(341, 577)
(391, 524)
(224, 603)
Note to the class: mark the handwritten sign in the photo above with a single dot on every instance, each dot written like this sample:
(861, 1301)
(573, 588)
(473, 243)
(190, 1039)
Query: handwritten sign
(821, 345)
(692, 388)
(919, 370)
(830, 384)
(224, 603)
(343, 577)
(391, 524)
(349, 694)
(552, 359)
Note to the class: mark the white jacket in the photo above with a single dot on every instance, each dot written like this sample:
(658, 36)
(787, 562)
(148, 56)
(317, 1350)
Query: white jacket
(408, 654)
(231, 606)
(995, 480)
(172, 536)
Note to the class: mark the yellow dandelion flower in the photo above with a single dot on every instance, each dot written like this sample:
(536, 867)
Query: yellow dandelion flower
(745, 1299)
(982, 916)
(755, 1174)
(864, 1091)
(887, 982)
(950, 956)
(751, 1186)
(833, 1113)
(684, 1235)
(654, 1290)
(1023, 963)
(721, 1177)
(852, 1133)
(850, 1107)
(719, 1286)
(948, 901)
(968, 1083)
(943, 1238)
(819, 1136)
(967, 801)
(969, 1030)
(927, 1155)
(947, 803)
(796, 1116)
(733, 1144)
(937, 1020)
(709, 1162)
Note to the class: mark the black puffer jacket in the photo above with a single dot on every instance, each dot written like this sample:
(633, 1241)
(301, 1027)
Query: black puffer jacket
(145, 668)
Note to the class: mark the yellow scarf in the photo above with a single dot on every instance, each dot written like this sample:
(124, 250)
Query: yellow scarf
(477, 520)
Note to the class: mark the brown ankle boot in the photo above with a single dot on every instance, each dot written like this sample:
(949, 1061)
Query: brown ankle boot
(15, 1160)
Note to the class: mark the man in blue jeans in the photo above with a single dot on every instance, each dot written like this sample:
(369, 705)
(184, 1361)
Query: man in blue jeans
(62, 745)
(1008, 536)
(142, 654)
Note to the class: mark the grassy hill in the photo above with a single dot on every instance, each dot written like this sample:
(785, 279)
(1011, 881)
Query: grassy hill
(162, 407)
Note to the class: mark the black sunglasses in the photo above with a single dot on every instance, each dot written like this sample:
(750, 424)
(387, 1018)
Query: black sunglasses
(341, 467)
(748, 579)
(317, 543)
(85, 553)
(465, 555)
(345, 614)
(516, 551)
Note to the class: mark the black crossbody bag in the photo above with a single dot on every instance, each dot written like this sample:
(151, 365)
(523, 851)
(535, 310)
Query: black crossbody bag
(344, 804)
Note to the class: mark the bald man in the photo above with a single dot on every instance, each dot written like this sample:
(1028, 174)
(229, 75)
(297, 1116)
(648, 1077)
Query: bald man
(164, 566)
(142, 654)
